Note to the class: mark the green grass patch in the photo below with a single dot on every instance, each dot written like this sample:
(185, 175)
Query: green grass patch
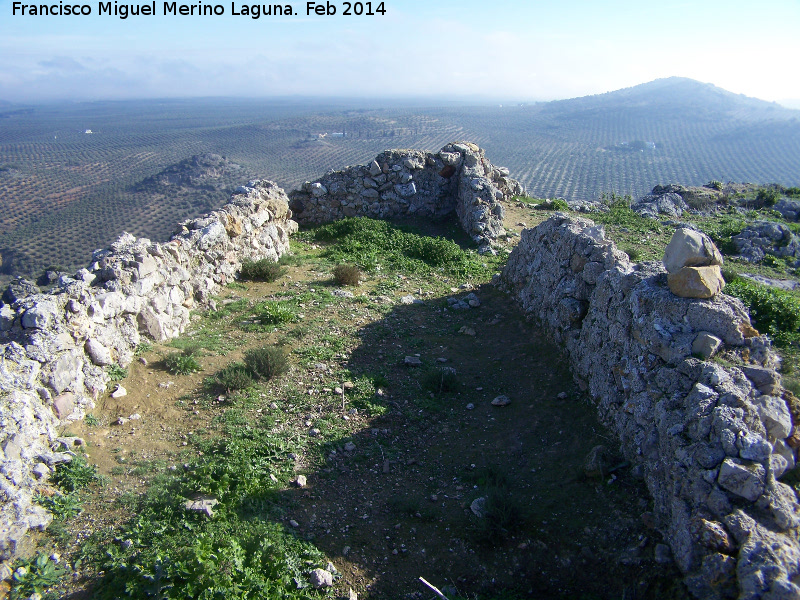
(621, 215)
(209, 338)
(165, 551)
(227, 309)
(378, 245)
(267, 315)
(772, 311)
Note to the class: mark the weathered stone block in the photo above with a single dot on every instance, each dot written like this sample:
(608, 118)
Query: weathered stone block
(696, 282)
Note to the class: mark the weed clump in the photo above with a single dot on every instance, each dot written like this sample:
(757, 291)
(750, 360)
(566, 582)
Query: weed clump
(440, 381)
(74, 475)
(261, 270)
(32, 577)
(267, 363)
(273, 313)
(773, 311)
(346, 274)
(182, 363)
(116, 373)
(234, 377)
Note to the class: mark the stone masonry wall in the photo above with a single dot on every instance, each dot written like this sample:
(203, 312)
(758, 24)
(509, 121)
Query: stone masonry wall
(710, 441)
(54, 347)
(458, 179)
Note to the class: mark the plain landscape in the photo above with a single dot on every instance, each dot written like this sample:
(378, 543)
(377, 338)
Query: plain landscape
(65, 192)
(338, 405)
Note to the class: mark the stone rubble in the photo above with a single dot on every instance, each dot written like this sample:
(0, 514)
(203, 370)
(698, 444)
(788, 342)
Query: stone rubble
(711, 441)
(458, 179)
(763, 238)
(54, 347)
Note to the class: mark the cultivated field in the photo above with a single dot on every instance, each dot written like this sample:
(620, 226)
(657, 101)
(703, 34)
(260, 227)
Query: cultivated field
(64, 192)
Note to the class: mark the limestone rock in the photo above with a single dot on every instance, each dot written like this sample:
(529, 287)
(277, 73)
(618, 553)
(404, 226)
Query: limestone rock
(501, 401)
(100, 355)
(64, 404)
(705, 345)
(690, 248)
(696, 282)
(745, 479)
(775, 415)
(320, 578)
(202, 504)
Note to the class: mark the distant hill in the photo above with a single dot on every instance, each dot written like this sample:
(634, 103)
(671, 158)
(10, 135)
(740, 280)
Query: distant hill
(676, 94)
(681, 131)
(64, 193)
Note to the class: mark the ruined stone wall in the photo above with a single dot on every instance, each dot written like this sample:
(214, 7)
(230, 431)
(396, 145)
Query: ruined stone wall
(55, 347)
(710, 441)
(458, 179)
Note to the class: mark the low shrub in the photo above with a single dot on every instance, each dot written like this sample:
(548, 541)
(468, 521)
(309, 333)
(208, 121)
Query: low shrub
(74, 475)
(346, 274)
(772, 311)
(234, 377)
(267, 362)
(182, 363)
(767, 197)
(261, 270)
(554, 204)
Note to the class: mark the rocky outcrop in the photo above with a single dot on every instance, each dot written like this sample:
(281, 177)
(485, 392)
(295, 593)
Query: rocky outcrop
(761, 238)
(55, 346)
(710, 441)
(458, 179)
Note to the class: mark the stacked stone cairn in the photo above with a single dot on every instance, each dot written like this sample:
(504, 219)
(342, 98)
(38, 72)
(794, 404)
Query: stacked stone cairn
(55, 347)
(710, 441)
(409, 183)
(693, 263)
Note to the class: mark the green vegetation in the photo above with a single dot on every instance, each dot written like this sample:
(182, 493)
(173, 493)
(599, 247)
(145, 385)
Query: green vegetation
(35, 576)
(377, 245)
(143, 348)
(772, 311)
(116, 373)
(182, 363)
(234, 377)
(168, 552)
(268, 314)
(767, 197)
(346, 274)
(74, 475)
(621, 215)
(267, 363)
(261, 270)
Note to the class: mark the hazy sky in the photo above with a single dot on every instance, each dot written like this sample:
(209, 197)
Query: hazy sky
(494, 49)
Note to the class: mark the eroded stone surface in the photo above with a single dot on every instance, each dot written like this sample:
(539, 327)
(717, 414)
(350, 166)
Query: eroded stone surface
(706, 438)
(54, 347)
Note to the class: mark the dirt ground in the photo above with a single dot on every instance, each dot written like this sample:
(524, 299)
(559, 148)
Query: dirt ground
(397, 506)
